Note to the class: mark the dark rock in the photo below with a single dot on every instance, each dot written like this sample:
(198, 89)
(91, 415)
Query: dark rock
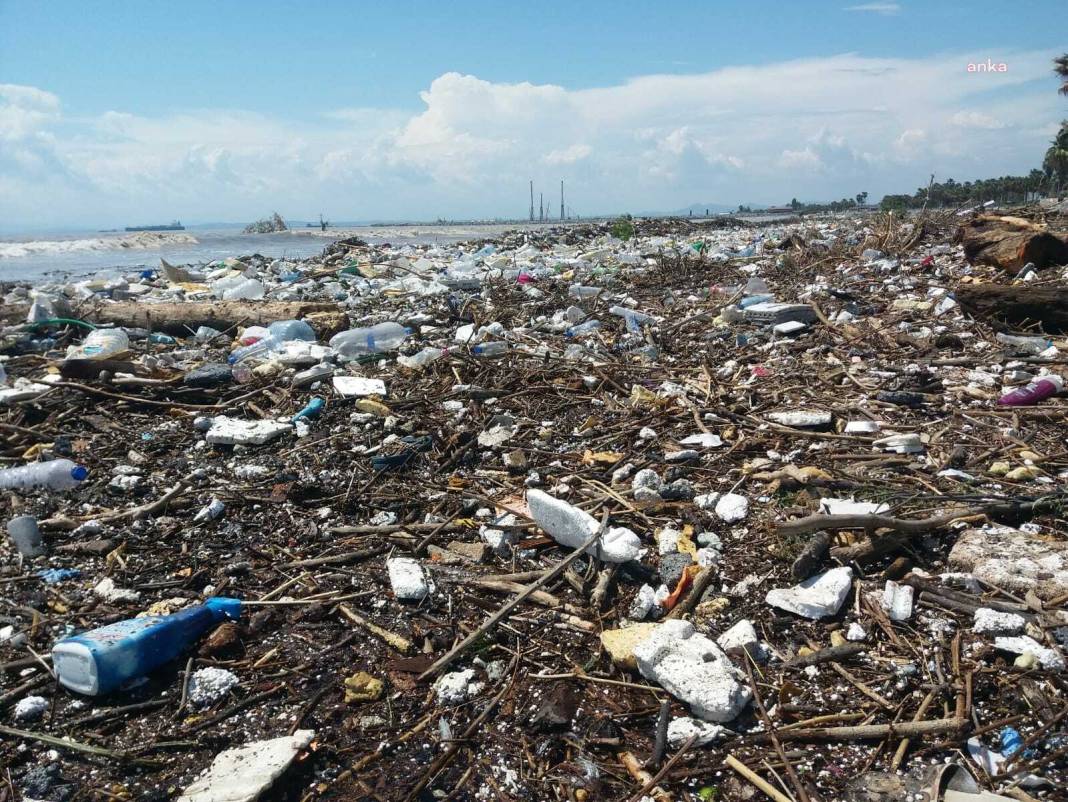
(672, 565)
(211, 374)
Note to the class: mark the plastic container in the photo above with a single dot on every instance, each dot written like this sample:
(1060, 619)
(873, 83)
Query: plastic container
(98, 661)
(578, 291)
(423, 358)
(490, 349)
(101, 344)
(260, 349)
(288, 330)
(374, 340)
(248, 290)
(1024, 345)
(311, 410)
(26, 536)
(1038, 390)
(253, 334)
(633, 318)
(752, 300)
(56, 474)
(588, 327)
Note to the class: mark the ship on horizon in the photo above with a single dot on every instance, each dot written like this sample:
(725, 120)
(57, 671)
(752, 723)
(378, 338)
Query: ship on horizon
(175, 226)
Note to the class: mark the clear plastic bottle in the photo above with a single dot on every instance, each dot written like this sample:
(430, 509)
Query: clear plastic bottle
(1024, 345)
(588, 327)
(258, 350)
(423, 358)
(633, 318)
(374, 340)
(56, 474)
(1039, 389)
(578, 291)
(288, 330)
(101, 344)
(98, 661)
(490, 349)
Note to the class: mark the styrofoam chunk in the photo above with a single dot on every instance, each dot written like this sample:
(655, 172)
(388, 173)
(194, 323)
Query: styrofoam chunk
(817, 597)
(693, 668)
(242, 774)
(572, 527)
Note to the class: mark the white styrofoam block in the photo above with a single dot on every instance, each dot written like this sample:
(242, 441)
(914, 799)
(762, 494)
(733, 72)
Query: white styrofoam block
(242, 774)
(407, 578)
(731, 507)
(232, 431)
(818, 596)
(359, 386)
(987, 622)
(693, 668)
(572, 527)
(897, 601)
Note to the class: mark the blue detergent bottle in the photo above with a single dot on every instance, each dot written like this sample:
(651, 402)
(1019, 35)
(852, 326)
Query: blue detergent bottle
(98, 661)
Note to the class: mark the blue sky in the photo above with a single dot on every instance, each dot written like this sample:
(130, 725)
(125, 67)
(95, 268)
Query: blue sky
(227, 110)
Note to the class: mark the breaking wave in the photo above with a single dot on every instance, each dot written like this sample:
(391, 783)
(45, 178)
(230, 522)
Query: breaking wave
(142, 240)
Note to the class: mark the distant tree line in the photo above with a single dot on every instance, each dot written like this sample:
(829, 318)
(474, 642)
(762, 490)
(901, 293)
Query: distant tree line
(951, 194)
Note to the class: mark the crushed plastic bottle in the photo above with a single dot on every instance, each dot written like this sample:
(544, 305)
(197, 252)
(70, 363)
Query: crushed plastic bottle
(101, 344)
(588, 327)
(422, 358)
(1038, 390)
(98, 661)
(56, 474)
(376, 339)
(632, 317)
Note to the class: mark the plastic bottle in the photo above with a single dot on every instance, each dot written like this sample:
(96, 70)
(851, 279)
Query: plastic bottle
(423, 358)
(56, 474)
(1038, 390)
(578, 291)
(101, 344)
(98, 661)
(161, 339)
(311, 410)
(258, 350)
(490, 349)
(752, 300)
(633, 318)
(374, 340)
(3, 375)
(287, 330)
(1024, 345)
(583, 328)
(756, 286)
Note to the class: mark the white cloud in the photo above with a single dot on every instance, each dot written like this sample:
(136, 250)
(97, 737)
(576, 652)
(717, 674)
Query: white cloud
(885, 9)
(810, 128)
(568, 155)
(976, 119)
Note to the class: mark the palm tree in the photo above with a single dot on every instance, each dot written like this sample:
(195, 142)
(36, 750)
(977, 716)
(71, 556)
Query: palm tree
(1060, 66)
(1055, 165)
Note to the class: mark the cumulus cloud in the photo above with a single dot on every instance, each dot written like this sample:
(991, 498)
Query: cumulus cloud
(809, 128)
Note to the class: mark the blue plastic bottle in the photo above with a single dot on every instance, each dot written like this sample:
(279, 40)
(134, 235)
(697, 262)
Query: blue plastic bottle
(98, 661)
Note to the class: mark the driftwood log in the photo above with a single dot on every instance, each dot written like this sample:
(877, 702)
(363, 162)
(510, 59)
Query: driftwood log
(1010, 243)
(181, 319)
(1017, 307)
